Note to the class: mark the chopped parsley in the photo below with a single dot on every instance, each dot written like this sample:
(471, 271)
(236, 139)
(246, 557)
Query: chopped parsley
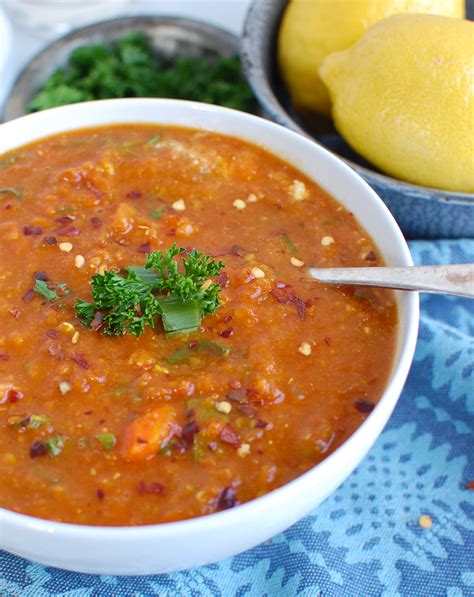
(130, 67)
(129, 301)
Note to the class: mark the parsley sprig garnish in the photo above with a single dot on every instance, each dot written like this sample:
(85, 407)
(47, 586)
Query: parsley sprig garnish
(178, 291)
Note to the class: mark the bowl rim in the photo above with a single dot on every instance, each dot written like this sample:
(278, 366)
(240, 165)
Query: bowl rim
(252, 63)
(407, 338)
(91, 29)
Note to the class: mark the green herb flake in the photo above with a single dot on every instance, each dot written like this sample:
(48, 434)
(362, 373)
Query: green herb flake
(107, 440)
(54, 445)
(12, 191)
(153, 142)
(202, 348)
(8, 161)
(42, 289)
(158, 213)
(64, 288)
(37, 421)
(289, 244)
(83, 442)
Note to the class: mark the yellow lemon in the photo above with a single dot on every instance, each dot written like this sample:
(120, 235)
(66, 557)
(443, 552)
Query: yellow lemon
(403, 97)
(312, 29)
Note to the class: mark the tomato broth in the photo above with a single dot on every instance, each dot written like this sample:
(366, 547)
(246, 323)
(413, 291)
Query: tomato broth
(106, 430)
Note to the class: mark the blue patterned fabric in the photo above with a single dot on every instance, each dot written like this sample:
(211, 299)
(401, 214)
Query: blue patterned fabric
(365, 539)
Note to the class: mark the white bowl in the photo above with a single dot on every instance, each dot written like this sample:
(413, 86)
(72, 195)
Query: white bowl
(179, 545)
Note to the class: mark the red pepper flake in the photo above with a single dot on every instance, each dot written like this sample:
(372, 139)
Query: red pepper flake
(144, 248)
(50, 241)
(327, 341)
(261, 424)
(88, 412)
(4, 356)
(223, 280)
(12, 396)
(372, 256)
(248, 410)
(238, 251)
(227, 318)
(152, 488)
(188, 432)
(141, 440)
(65, 219)
(43, 276)
(16, 313)
(229, 436)
(96, 323)
(54, 334)
(100, 494)
(291, 298)
(226, 333)
(38, 448)
(68, 231)
(96, 222)
(237, 395)
(300, 306)
(32, 230)
(80, 360)
(56, 352)
(134, 194)
(227, 499)
(171, 232)
(364, 406)
(280, 296)
(28, 296)
(234, 384)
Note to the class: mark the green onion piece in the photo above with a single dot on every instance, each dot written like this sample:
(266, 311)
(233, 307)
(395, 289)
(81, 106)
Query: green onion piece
(144, 275)
(42, 288)
(154, 140)
(54, 445)
(289, 244)
(203, 347)
(179, 316)
(11, 190)
(107, 440)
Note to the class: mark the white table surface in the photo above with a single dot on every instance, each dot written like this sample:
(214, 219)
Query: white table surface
(228, 14)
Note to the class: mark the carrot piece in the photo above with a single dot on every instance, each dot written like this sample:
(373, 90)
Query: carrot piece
(145, 435)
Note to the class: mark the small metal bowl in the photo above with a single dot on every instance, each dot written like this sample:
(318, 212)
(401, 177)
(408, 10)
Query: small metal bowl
(421, 212)
(170, 37)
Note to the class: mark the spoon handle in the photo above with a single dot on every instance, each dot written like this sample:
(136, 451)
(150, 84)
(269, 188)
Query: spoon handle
(440, 279)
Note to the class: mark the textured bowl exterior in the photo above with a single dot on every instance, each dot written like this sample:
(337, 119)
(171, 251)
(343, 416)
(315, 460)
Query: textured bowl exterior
(179, 545)
(421, 212)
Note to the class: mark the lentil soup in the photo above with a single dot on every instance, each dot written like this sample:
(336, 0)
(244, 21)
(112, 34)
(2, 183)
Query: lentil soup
(126, 430)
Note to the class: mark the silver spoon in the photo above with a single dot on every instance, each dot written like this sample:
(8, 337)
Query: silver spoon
(440, 279)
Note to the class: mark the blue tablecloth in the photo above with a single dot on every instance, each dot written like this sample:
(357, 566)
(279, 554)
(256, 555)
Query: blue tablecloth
(365, 539)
